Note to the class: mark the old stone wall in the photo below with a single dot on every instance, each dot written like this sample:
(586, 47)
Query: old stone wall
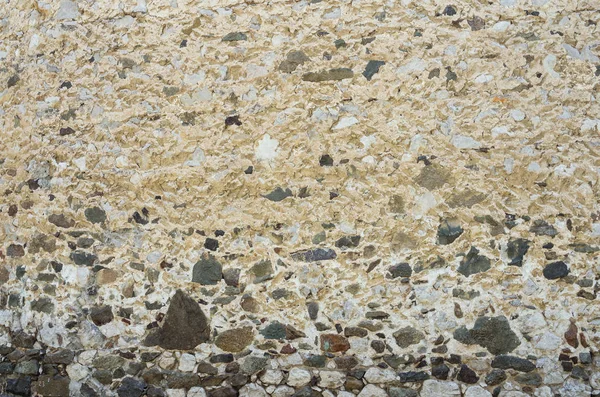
(299, 198)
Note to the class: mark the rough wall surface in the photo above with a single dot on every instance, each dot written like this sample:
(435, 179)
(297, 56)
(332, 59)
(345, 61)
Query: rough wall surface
(307, 198)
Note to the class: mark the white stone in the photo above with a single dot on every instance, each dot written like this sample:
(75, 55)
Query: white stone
(187, 362)
(380, 375)
(272, 377)
(298, 377)
(439, 388)
(282, 391)
(544, 391)
(176, 392)
(345, 122)
(484, 78)
(252, 390)
(331, 379)
(333, 14)
(517, 115)
(549, 63)
(67, 10)
(548, 341)
(267, 148)
(196, 158)
(501, 26)
(477, 391)
(512, 393)
(345, 394)
(371, 391)
(464, 142)
(77, 372)
(196, 391)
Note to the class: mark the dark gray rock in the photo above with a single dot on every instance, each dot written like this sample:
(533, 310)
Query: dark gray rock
(185, 325)
(131, 387)
(413, 376)
(253, 364)
(402, 392)
(262, 271)
(493, 333)
(207, 271)
(42, 305)
(400, 270)
(52, 386)
(372, 68)
(313, 310)
(292, 61)
(278, 194)
(101, 315)
(467, 375)
(348, 242)
(61, 220)
(556, 270)
(529, 379)
(448, 231)
(516, 250)
(516, 363)
(495, 377)
(232, 276)
(15, 251)
(473, 263)
(82, 258)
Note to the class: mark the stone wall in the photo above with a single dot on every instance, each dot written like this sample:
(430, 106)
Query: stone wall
(299, 198)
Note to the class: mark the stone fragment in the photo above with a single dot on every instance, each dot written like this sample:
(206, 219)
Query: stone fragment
(372, 68)
(439, 388)
(185, 325)
(467, 375)
(400, 270)
(408, 336)
(131, 387)
(235, 340)
(253, 364)
(67, 10)
(95, 214)
(493, 333)
(314, 255)
(235, 36)
(298, 377)
(402, 392)
(433, 177)
(328, 75)
(448, 231)
(15, 251)
(541, 228)
(516, 250)
(207, 271)
(292, 61)
(571, 335)
(556, 270)
(477, 23)
(473, 263)
(278, 194)
(61, 220)
(348, 242)
(333, 343)
(83, 258)
(495, 377)
(101, 315)
(372, 391)
(52, 386)
(511, 362)
(262, 271)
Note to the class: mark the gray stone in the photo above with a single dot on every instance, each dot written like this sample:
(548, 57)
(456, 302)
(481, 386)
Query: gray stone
(253, 364)
(29, 367)
(313, 310)
(400, 270)
(408, 336)
(131, 387)
(448, 231)
(235, 36)
(493, 333)
(402, 392)
(67, 10)
(314, 255)
(61, 220)
(52, 386)
(43, 305)
(541, 228)
(328, 75)
(495, 377)
(262, 271)
(207, 271)
(95, 214)
(83, 258)
(516, 363)
(556, 270)
(278, 194)
(292, 61)
(473, 263)
(372, 68)
(101, 315)
(348, 242)
(516, 250)
(185, 325)
(433, 177)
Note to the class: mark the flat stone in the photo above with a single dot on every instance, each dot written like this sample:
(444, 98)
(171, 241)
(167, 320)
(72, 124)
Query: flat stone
(52, 386)
(235, 36)
(278, 194)
(235, 340)
(541, 228)
(400, 270)
(433, 177)
(185, 325)
(83, 258)
(131, 387)
(448, 231)
(61, 220)
(292, 61)
(511, 362)
(101, 315)
(95, 214)
(262, 271)
(372, 68)
(495, 377)
(253, 364)
(315, 255)
(15, 251)
(439, 388)
(336, 74)
(402, 392)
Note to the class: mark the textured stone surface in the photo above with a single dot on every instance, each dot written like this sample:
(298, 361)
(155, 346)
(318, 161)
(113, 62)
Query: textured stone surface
(311, 197)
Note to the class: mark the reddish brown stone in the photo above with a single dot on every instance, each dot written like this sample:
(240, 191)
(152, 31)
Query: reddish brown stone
(334, 343)
(571, 335)
(288, 349)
